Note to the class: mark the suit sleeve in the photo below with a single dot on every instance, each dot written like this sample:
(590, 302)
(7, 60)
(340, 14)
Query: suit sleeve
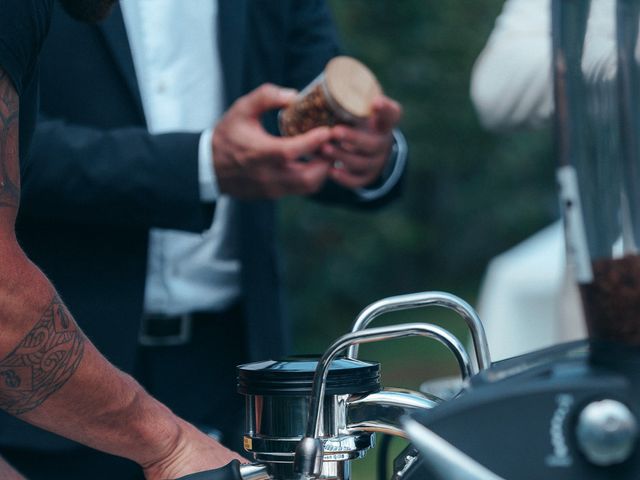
(312, 42)
(122, 177)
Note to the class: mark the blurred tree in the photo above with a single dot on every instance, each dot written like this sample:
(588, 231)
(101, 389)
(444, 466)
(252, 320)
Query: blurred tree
(469, 194)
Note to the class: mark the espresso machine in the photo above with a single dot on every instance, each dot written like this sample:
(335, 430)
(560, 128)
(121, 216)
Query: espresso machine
(567, 412)
(311, 416)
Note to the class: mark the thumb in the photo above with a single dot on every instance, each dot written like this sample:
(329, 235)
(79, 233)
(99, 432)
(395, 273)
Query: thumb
(387, 114)
(264, 98)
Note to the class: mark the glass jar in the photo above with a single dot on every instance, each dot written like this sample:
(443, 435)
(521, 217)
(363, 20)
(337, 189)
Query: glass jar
(342, 94)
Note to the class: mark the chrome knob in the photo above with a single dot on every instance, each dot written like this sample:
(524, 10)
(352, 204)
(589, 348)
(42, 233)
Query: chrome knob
(606, 432)
(254, 472)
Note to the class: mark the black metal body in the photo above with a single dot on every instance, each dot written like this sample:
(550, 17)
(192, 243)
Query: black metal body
(518, 418)
(293, 376)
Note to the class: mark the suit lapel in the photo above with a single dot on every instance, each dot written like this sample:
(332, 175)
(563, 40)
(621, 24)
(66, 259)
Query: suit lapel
(232, 15)
(115, 35)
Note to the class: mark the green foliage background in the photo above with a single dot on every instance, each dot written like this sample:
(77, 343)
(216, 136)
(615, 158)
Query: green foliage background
(469, 195)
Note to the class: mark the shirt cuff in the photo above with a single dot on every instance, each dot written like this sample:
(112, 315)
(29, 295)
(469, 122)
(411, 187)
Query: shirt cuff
(209, 190)
(393, 171)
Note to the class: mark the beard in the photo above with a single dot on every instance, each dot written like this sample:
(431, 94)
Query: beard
(88, 10)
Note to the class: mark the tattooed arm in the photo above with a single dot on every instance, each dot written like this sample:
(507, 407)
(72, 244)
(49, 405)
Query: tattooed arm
(53, 377)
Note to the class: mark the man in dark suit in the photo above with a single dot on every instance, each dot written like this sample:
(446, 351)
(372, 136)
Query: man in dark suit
(119, 173)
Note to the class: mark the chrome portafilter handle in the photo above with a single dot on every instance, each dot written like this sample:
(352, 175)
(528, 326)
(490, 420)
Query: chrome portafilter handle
(309, 452)
(425, 299)
(444, 460)
(254, 472)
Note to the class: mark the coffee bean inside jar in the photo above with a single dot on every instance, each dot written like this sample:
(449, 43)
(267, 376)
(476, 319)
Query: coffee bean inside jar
(342, 94)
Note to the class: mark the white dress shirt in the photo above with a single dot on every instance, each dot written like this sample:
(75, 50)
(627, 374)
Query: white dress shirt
(175, 53)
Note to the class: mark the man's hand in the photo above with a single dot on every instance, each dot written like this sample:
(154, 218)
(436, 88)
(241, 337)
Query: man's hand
(193, 452)
(250, 163)
(358, 155)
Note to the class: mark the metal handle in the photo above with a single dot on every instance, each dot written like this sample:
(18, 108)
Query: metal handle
(254, 471)
(424, 299)
(376, 335)
(445, 460)
(308, 457)
(383, 411)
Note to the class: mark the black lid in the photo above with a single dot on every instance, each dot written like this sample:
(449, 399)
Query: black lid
(294, 376)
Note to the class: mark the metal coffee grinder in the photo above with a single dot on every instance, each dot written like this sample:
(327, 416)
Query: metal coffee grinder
(571, 411)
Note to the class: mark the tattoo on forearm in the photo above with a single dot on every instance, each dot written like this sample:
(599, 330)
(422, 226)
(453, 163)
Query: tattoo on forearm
(43, 361)
(9, 166)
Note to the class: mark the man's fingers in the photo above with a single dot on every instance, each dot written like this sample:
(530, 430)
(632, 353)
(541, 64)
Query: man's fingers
(355, 171)
(279, 180)
(354, 163)
(386, 114)
(359, 141)
(308, 178)
(299, 178)
(347, 179)
(293, 148)
(264, 98)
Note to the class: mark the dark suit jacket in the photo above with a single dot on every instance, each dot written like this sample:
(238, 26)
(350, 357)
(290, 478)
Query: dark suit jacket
(97, 182)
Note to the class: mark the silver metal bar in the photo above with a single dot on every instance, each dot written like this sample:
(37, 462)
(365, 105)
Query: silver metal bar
(424, 299)
(569, 25)
(382, 411)
(376, 335)
(308, 456)
(442, 458)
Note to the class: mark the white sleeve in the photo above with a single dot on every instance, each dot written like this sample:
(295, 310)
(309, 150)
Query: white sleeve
(512, 80)
(511, 83)
(209, 190)
(599, 61)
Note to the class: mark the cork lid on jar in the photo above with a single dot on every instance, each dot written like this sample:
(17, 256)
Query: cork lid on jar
(352, 85)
